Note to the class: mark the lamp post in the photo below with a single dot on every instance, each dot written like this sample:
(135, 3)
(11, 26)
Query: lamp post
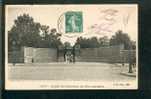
(130, 59)
(14, 43)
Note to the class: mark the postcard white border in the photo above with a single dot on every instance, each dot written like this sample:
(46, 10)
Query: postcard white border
(65, 85)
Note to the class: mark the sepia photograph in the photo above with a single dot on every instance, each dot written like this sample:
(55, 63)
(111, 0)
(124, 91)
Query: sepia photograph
(80, 46)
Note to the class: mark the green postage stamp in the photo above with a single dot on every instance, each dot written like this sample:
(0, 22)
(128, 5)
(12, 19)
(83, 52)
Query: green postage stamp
(73, 22)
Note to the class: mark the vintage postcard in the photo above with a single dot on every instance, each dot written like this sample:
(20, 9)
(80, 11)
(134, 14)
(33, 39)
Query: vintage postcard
(50, 47)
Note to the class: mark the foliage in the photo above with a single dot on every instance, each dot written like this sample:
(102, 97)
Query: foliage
(121, 38)
(49, 39)
(26, 32)
(88, 42)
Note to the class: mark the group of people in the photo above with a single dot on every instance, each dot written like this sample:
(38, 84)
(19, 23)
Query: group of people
(69, 57)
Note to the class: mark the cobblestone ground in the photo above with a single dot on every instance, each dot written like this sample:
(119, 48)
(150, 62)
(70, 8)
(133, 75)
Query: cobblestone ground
(64, 71)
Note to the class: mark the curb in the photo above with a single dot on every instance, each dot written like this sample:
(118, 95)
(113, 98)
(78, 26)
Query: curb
(128, 74)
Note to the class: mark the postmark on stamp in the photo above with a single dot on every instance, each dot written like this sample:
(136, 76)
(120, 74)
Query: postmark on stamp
(73, 22)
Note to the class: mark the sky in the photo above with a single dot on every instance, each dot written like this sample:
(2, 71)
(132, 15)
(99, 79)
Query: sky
(98, 20)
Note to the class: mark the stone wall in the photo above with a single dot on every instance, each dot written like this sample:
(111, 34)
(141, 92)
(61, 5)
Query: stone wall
(111, 54)
(102, 54)
(40, 55)
(33, 55)
(45, 55)
(127, 55)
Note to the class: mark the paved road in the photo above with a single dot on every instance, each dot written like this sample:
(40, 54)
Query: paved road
(64, 71)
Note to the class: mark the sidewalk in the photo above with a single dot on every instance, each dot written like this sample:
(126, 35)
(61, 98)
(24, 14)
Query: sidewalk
(125, 70)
